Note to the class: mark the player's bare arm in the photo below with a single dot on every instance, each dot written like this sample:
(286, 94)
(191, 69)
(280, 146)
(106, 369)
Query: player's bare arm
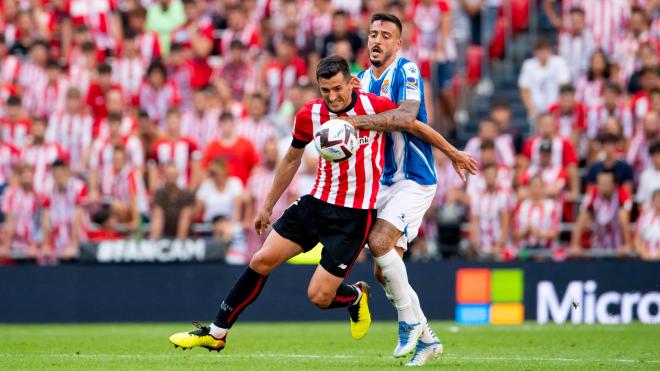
(284, 173)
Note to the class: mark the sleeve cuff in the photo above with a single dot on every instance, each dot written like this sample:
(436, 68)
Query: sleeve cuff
(297, 143)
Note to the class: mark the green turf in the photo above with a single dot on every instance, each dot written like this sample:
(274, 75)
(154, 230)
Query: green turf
(287, 346)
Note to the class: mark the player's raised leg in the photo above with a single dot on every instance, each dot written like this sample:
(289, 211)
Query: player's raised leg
(275, 251)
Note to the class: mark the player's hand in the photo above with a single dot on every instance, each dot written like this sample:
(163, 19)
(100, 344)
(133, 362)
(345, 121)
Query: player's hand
(262, 221)
(463, 164)
(356, 83)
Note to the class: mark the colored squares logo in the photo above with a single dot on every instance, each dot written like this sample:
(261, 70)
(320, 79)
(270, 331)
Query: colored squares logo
(490, 296)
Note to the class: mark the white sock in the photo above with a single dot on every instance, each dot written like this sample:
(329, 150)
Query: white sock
(388, 293)
(396, 277)
(426, 337)
(217, 332)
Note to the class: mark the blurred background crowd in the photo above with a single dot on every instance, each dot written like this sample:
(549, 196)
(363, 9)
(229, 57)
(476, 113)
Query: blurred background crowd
(166, 119)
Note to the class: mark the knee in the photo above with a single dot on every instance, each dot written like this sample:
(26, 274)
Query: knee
(319, 298)
(261, 263)
(379, 244)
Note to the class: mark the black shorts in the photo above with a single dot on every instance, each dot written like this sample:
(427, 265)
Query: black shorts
(342, 231)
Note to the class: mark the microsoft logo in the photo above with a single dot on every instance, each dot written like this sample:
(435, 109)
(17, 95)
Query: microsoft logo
(490, 296)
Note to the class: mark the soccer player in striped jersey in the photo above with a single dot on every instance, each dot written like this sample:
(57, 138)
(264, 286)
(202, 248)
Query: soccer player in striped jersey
(338, 212)
(409, 177)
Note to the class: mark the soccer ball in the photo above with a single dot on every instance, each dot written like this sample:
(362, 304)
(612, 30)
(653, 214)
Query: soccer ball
(336, 140)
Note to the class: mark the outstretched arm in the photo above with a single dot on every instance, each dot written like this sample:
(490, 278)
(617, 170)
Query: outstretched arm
(283, 175)
(399, 119)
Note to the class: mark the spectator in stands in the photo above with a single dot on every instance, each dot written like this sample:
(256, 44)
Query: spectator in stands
(239, 152)
(649, 181)
(196, 34)
(147, 132)
(613, 105)
(576, 44)
(148, 42)
(123, 188)
(129, 67)
(553, 176)
(490, 213)
(164, 17)
(570, 114)
(647, 57)
(63, 213)
(15, 125)
(282, 72)
(540, 79)
(220, 200)
(81, 75)
(640, 102)
(39, 154)
(102, 18)
(589, 88)
(500, 112)
(489, 131)
(623, 173)
(238, 28)
(563, 152)
(628, 43)
(72, 130)
(536, 220)
(10, 64)
(115, 104)
(242, 72)
(605, 211)
(340, 31)
(200, 122)
(257, 127)
(181, 70)
(98, 89)
(44, 100)
(173, 206)
(157, 93)
(21, 206)
(174, 148)
(488, 157)
(647, 234)
(638, 149)
(33, 70)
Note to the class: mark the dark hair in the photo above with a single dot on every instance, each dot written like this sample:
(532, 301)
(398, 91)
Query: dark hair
(104, 68)
(176, 47)
(143, 115)
(226, 116)
(576, 9)
(88, 46)
(236, 44)
(606, 73)
(566, 88)
(39, 43)
(138, 12)
(114, 117)
(385, 17)
(53, 63)
(59, 163)
(500, 103)
(542, 44)
(340, 13)
(332, 65)
(157, 66)
(173, 110)
(488, 166)
(605, 138)
(101, 216)
(14, 100)
(130, 35)
(119, 149)
(613, 87)
(648, 70)
(487, 144)
(608, 171)
(654, 148)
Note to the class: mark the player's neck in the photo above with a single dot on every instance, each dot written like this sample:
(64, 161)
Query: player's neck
(378, 71)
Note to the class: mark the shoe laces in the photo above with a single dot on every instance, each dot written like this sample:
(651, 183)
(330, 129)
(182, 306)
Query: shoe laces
(202, 330)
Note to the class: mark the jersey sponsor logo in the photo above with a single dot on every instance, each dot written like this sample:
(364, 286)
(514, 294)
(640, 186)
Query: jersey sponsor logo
(364, 140)
(386, 87)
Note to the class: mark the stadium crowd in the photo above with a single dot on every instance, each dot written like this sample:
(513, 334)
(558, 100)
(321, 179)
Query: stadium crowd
(121, 114)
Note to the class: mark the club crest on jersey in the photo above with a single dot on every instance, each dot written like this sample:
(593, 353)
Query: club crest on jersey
(411, 83)
(386, 87)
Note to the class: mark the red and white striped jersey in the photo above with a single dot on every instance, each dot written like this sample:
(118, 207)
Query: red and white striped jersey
(97, 15)
(32, 74)
(354, 182)
(181, 152)
(102, 149)
(249, 36)
(156, 102)
(81, 77)
(640, 104)
(598, 115)
(535, 217)
(128, 73)
(23, 207)
(73, 132)
(279, 78)
(506, 154)
(625, 54)
(638, 153)
(589, 92)
(8, 157)
(200, 128)
(62, 204)
(569, 121)
(489, 208)
(648, 232)
(256, 132)
(16, 132)
(148, 45)
(607, 21)
(260, 183)
(563, 152)
(9, 69)
(128, 127)
(44, 100)
(555, 175)
(428, 22)
(576, 51)
(606, 231)
(124, 185)
(41, 157)
(477, 183)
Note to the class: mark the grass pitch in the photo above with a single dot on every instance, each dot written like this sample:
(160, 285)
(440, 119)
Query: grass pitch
(328, 346)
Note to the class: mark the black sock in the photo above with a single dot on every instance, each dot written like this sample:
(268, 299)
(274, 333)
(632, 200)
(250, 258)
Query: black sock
(245, 291)
(345, 296)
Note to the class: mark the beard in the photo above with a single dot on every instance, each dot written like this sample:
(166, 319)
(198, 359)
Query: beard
(376, 63)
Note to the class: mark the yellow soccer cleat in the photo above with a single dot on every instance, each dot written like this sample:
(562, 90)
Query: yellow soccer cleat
(360, 317)
(198, 338)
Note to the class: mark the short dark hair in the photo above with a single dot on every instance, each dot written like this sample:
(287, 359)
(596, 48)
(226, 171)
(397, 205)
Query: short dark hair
(332, 65)
(606, 137)
(542, 44)
(576, 9)
(500, 103)
(654, 148)
(143, 115)
(226, 116)
(14, 100)
(386, 17)
(487, 144)
(157, 66)
(566, 88)
(88, 47)
(53, 64)
(104, 68)
(340, 13)
(613, 87)
(59, 163)
(115, 117)
(236, 44)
